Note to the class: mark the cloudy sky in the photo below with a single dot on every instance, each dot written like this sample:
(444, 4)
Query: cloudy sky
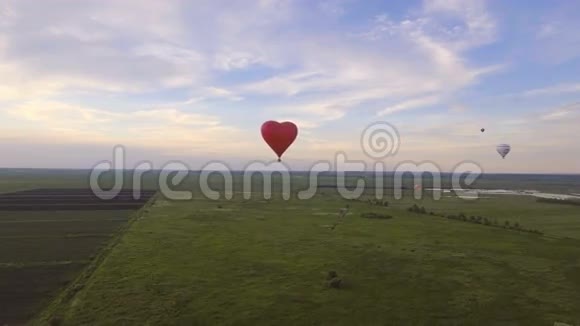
(193, 80)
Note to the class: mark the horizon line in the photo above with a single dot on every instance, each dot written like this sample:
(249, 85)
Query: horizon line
(297, 171)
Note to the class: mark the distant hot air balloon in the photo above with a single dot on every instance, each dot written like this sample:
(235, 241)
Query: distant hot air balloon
(279, 136)
(503, 149)
(482, 129)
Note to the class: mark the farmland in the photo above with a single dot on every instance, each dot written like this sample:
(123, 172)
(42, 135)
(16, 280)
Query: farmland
(265, 261)
(67, 257)
(47, 236)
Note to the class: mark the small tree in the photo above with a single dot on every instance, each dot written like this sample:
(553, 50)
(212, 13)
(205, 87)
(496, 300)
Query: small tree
(506, 224)
(422, 210)
(414, 208)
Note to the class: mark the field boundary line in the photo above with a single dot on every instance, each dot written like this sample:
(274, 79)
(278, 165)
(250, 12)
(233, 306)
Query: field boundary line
(44, 263)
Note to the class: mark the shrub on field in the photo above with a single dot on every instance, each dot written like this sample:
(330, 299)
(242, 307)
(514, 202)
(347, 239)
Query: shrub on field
(417, 209)
(335, 283)
(331, 275)
(377, 202)
(332, 280)
(376, 216)
(56, 321)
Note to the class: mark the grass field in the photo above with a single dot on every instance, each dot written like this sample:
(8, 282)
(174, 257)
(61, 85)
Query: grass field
(264, 262)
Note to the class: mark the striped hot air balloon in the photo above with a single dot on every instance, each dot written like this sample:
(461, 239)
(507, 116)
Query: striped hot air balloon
(503, 149)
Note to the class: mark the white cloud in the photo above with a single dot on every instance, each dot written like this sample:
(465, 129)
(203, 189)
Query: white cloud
(554, 90)
(547, 30)
(78, 32)
(110, 45)
(561, 113)
(217, 92)
(164, 129)
(56, 114)
(170, 53)
(334, 8)
(478, 27)
(297, 61)
(555, 115)
(410, 104)
(451, 24)
(458, 108)
(125, 46)
(235, 60)
(556, 40)
(419, 57)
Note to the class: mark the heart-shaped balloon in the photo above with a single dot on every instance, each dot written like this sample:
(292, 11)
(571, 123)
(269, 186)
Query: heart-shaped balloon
(279, 136)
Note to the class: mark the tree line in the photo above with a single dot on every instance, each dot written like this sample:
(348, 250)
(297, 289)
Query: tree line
(491, 222)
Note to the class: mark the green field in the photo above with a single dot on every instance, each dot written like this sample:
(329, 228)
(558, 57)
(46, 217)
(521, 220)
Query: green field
(265, 262)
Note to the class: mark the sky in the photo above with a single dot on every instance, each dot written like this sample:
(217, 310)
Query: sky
(193, 81)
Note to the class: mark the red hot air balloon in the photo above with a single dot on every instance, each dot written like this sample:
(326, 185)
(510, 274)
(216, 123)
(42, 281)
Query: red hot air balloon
(279, 136)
